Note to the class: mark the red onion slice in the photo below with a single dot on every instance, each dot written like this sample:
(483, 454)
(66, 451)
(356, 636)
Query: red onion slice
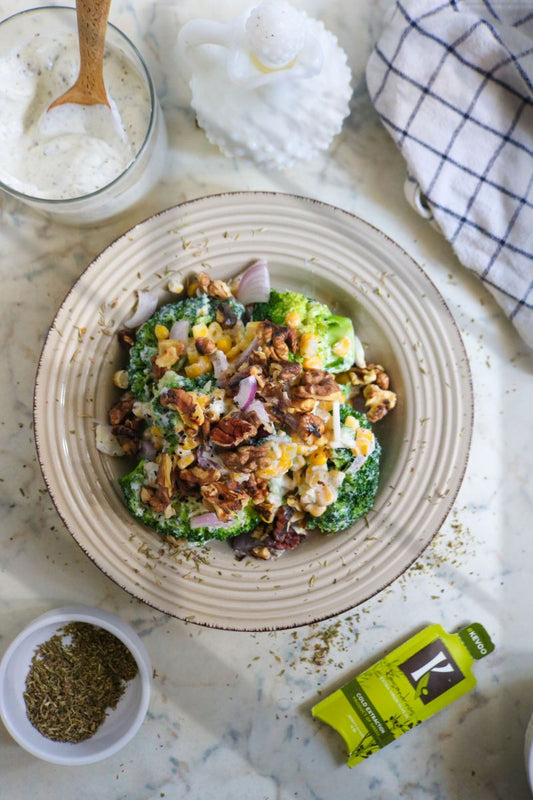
(146, 305)
(180, 330)
(254, 286)
(209, 520)
(246, 393)
(261, 412)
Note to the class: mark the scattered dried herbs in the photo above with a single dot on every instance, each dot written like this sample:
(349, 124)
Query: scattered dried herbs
(74, 678)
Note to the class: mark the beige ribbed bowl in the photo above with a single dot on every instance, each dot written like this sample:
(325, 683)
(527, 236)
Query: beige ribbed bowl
(405, 326)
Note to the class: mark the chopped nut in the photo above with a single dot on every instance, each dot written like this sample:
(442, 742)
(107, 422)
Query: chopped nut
(122, 409)
(378, 402)
(317, 384)
(164, 473)
(156, 497)
(196, 476)
(205, 345)
(257, 488)
(372, 373)
(126, 338)
(233, 430)
(284, 536)
(248, 458)
(226, 498)
(277, 341)
(186, 404)
(261, 552)
(309, 427)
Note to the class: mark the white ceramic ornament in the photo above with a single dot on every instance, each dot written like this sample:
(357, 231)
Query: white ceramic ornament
(271, 86)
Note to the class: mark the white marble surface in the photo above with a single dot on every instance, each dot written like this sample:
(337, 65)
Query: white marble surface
(229, 715)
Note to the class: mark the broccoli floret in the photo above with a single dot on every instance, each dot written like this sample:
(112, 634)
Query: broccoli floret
(178, 526)
(357, 492)
(194, 309)
(316, 318)
(279, 305)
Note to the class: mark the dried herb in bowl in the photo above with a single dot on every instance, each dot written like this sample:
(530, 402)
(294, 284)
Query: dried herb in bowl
(75, 677)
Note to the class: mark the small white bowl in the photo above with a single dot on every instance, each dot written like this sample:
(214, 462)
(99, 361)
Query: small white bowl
(121, 723)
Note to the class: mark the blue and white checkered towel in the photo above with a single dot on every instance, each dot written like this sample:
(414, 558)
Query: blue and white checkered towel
(453, 84)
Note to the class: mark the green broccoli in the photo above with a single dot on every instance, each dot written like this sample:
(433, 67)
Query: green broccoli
(316, 318)
(178, 526)
(195, 309)
(279, 305)
(357, 492)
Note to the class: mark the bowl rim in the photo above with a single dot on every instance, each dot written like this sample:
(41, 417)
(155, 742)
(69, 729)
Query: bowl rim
(102, 619)
(469, 409)
(71, 201)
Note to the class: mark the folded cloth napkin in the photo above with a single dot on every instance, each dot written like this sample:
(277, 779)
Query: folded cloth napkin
(453, 84)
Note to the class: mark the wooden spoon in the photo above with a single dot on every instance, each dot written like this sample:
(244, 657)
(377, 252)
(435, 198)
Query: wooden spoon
(89, 88)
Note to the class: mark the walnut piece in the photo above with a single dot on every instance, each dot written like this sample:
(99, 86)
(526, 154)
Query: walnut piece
(214, 288)
(372, 373)
(156, 497)
(205, 345)
(233, 430)
(186, 404)
(277, 341)
(196, 476)
(122, 409)
(378, 401)
(226, 498)
(317, 384)
(248, 458)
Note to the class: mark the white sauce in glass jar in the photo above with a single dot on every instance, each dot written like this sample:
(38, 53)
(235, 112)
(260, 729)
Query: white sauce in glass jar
(72, 150)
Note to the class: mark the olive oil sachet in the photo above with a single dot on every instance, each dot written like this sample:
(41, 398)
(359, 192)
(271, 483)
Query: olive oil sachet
(410, 684)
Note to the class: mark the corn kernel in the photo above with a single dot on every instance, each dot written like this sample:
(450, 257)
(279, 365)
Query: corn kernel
(175, 286)
(250, 331)
(308, 344)
(199, 331)
(234, 352)
(121, 379)
(191, 290)
(313, 362)
(189, 443)
(293, 319)
(161, 332)
(351, 422)
(202, 366)
(224, 343)
(342, 347)
(215, 331)
(318, 458)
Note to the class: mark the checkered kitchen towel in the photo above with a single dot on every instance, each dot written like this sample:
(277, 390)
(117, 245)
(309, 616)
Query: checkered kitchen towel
(453, 84)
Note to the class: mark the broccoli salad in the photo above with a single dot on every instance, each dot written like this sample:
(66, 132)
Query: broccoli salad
(249, 413)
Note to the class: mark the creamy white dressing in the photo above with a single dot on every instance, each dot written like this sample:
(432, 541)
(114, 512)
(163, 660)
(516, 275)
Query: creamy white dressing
(72, 150)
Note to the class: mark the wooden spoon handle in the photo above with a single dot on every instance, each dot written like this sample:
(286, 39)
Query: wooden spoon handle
(89, 88)
(92, 18)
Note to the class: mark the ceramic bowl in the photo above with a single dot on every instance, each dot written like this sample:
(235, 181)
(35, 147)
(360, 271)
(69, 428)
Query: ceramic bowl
(404, 325)
(121, 723)
(114, 197)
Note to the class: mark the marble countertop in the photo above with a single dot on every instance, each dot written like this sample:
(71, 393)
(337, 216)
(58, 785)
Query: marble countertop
(229, 715)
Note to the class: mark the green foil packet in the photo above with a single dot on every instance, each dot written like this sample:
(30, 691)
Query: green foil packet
(410, 684)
